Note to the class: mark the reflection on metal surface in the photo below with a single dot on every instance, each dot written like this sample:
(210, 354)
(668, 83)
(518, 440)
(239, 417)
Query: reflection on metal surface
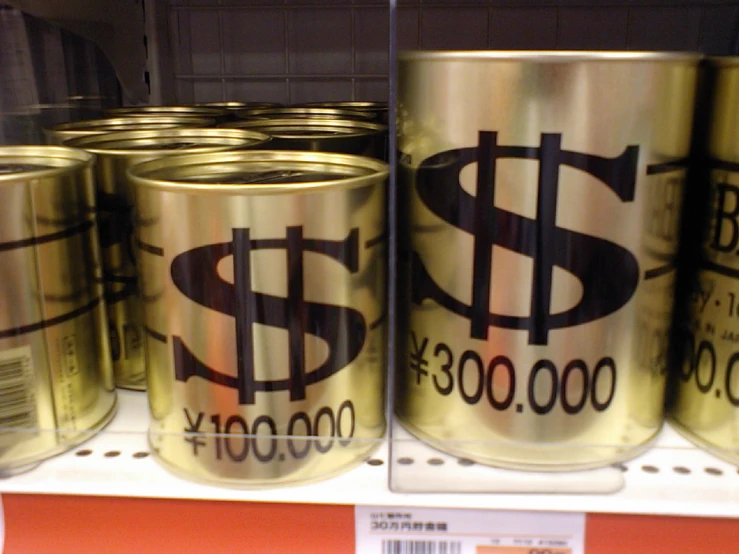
(304, 113)
(116, 152)
(706, 407)
(56, 379)
(67, 131)
(263, 274)
(543, 198)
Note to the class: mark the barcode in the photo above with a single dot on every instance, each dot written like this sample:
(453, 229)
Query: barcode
(421, 547)
(17, 404)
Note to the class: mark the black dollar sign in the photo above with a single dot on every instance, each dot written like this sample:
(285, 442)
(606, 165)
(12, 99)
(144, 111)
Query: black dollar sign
(344, 329)
(608, 272)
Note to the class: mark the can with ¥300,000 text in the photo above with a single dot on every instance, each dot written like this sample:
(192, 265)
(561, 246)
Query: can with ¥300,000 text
(56, 378)
(67, 131)
(362, 138)
(265, 323)
(706, 404)
(116, 152)
(543, 208)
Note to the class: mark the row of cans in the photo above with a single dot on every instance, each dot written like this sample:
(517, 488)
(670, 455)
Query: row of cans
(540, 199)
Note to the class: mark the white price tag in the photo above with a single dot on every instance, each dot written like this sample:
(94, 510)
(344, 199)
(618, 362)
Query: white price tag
(398, 530)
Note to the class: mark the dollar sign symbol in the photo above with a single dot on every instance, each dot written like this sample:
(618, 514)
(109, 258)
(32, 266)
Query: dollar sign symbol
(344, 329)
(608, 272)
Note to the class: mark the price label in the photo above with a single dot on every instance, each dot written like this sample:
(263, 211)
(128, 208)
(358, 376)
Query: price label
(399, 530)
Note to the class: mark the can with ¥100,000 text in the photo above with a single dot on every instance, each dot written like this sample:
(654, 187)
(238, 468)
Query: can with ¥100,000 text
(56, 378)
(265, 322)
(538, 261)
(706, 403)
(341, 136)
(67, 131)
(116, 152)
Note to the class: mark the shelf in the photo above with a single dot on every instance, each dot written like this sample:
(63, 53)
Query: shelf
(649, 485)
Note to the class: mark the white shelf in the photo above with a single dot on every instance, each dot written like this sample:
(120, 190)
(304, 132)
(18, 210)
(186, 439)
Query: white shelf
(666, 492)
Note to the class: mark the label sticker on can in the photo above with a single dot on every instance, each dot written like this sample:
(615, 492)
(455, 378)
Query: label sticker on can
(17, 391)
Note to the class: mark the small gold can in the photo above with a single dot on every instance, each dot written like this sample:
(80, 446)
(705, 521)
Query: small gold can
(544, 193)
(56, 378)
(706, 406)
(378, 110)
(116, 152)
(263, 277)
(304, 113)
(210, 112)
(362, 138)
(67, 131)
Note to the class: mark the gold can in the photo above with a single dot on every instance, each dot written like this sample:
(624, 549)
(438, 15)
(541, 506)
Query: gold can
(210, 112)
(233, 105)
(116, 152)
(56, 378)
(362, 138)
(304, 113)
(706, 407)
(67, 131)
(378, 110)
(544, 193)
(263, 274)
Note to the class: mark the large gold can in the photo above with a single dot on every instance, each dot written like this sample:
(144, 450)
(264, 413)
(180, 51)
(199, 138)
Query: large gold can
(541, 226)
(263, 274)
(58, 134)
(116, 152)
(56, 379)
(706, 407)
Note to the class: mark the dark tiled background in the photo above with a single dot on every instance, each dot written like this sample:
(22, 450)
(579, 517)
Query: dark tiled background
(303, 50)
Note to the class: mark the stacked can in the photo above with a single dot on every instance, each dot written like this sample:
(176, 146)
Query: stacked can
(378, 110)
(209, 112)
(262, 274)
(116, 152)
(56, 379)
(706, 407)
(305, 113)
(342, 136)
(67, 131)
(543, 210)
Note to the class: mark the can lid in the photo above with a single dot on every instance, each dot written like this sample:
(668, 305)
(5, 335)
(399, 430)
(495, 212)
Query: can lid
(111, 124)
(304, 112)
(36, 162)
(549, 56)
(360, 105)
(168, 141)
(308, 128)
(258, 172)
(138, 111)
(235, 105)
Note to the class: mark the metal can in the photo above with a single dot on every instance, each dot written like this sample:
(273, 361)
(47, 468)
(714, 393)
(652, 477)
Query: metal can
(304, 113)
(264, 310)
(232, 105)
(706, 407)
(67, 131)
(544, 198)
(321, 135)
(56, 378)
(116, 152)
(378, 110)
(210, 112)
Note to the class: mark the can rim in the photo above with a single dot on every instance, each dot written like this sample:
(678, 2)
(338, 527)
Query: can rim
(137, 174)
(78, 159)
(231, 105)
(144, 111)
(285, 112)
(92, 124)
(549, 56)
(723, 61)
(361, 127)
(96, 143)
(361, 105)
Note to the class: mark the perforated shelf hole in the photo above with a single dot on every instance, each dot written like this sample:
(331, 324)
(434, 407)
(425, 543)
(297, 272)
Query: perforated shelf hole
(435, 461)
(405, 461)
(681, 470)
(112, 454)
(713, 471)
(139, 455)
(83, 453)
(375, 462)
(650, 469)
